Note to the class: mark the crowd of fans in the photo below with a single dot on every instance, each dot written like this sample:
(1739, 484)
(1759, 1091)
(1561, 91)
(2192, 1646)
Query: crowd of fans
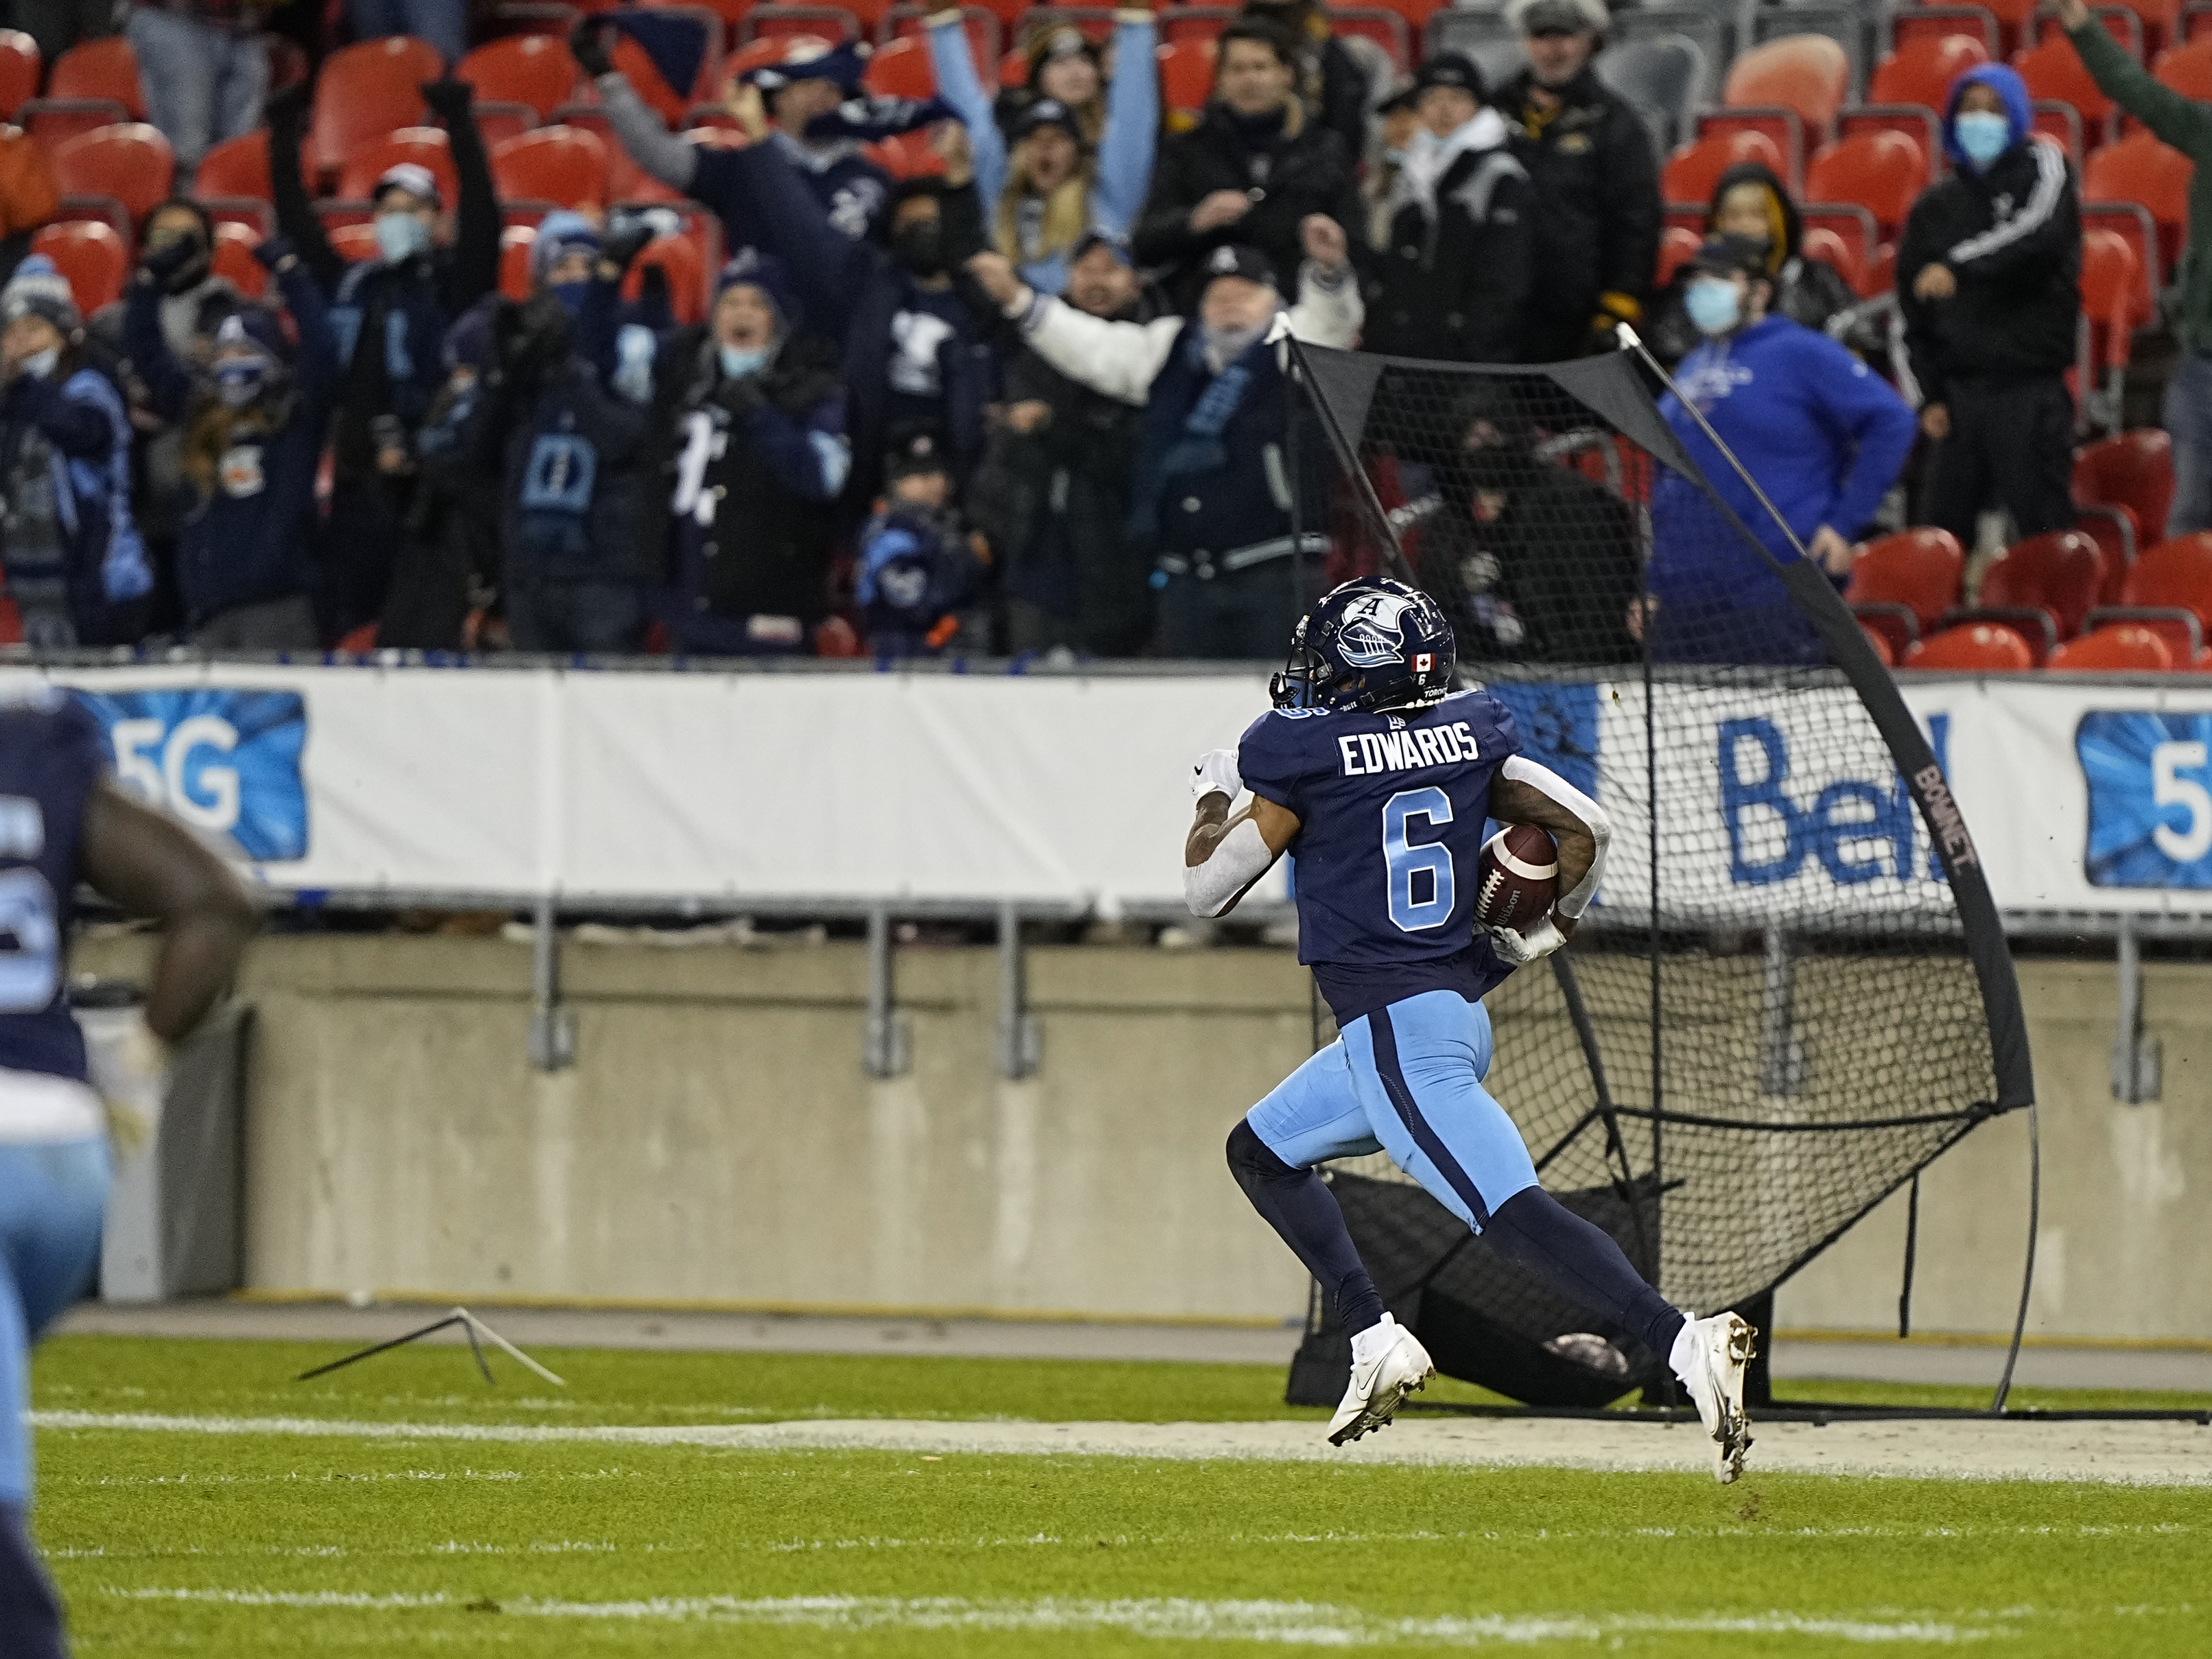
(1026, 403)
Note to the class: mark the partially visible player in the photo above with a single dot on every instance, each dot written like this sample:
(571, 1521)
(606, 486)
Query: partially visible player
(1378, 776)
(63, 820)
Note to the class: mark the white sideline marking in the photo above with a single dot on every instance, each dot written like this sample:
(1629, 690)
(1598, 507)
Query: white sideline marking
(2127, 1453)
(1300, 1623)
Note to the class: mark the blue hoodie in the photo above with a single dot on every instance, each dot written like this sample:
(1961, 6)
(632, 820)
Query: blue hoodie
(1825, 439)
(2019, 107)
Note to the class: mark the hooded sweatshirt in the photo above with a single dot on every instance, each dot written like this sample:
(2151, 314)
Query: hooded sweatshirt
(1807, 290)
(1454, 282)
(2012, 236)
(1825, 437)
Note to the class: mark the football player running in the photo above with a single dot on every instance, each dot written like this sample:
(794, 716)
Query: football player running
(1377, 776)
(62, 821)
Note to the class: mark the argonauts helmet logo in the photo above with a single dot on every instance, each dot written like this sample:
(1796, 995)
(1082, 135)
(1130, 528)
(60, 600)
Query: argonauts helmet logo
(1373, 630)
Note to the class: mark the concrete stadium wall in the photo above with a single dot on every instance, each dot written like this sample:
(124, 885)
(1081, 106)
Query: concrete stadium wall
(718, 1141)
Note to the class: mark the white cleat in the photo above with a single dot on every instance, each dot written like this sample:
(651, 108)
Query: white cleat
(1388, 1363)
(1709, 1356)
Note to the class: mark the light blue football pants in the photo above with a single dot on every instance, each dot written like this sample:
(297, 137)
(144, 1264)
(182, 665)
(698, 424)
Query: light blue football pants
(1406, 1080)
(53, 1198)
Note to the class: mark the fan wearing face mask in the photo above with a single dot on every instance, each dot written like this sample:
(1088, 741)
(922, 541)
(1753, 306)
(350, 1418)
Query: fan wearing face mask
(753, 419)
(255, 420)
(1044, 186)
(437, 254)
(76, 566)
(1988, 279)
(1823, 437)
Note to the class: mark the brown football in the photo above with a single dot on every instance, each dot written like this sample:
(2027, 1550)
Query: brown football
(1516, 877)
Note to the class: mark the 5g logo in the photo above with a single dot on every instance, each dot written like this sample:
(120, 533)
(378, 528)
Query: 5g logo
(176, 767)
(224, 762)
(2149, 780)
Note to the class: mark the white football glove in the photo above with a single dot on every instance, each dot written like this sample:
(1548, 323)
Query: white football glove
(1214, 773)
(1521, 949)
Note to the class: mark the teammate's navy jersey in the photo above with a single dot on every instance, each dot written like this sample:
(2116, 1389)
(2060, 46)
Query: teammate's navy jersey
(51, 754)
(1391, 809)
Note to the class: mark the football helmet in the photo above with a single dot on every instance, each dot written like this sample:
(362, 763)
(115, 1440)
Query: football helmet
(1372, 644)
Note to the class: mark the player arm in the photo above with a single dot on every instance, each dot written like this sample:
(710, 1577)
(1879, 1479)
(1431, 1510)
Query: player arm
(151, 866)
(1526, 792)
(1225, 853)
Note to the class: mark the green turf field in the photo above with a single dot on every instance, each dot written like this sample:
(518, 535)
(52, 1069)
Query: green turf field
(274, 1543)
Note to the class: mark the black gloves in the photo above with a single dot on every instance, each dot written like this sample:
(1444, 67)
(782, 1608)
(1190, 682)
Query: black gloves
(449, 98)
(587, 45)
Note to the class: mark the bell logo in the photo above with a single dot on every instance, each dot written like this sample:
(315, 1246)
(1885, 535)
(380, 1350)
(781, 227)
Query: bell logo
(1421, 663)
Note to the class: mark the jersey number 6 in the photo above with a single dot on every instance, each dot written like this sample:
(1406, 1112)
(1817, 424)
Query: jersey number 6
(1405, 863)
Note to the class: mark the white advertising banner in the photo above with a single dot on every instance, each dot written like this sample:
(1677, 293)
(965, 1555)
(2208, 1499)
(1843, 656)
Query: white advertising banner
(1073, 791)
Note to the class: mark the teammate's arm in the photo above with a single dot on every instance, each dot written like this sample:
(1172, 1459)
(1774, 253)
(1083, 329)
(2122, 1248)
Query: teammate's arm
(1223, 856)
(1526, 792)
(152, 867)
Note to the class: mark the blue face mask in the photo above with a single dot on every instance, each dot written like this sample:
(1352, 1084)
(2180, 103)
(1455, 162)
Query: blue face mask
(738, 361)
(400, 237)
(239, 381)
(1714, 306)
(1983, 135)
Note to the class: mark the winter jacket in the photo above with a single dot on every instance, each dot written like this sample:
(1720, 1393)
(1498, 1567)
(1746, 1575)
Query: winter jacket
(1823, 434)
(2012, 236)
(1454, 280)
(1287, 165)
(1597, 236)
(753, 469)
(1211, 489)
(450, 549)
(2179, 120)
(67, 536)
(389, 320)
(251, 539)
(1123, 163)
(918, 572)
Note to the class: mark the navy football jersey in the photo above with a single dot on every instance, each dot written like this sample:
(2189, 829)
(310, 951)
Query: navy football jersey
(51, 754)
(1391, 809)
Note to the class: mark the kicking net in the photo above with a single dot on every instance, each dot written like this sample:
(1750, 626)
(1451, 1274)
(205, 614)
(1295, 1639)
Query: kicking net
(1793, 991)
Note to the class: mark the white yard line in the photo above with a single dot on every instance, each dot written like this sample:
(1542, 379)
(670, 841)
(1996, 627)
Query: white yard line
(2133, 1453)
(1305, 1624)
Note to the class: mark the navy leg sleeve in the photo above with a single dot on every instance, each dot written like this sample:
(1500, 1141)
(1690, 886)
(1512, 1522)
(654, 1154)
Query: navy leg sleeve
(1298, 1204)
(1580, 1260)
(30, 1614)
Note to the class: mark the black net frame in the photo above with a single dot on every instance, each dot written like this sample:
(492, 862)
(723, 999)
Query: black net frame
(1725, 1089)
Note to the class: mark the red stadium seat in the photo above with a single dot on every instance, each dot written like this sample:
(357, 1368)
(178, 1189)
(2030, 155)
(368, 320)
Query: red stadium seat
(426, 147)
(2112, 286)
(687, 276)
(1882, 649)
(353, 243)
(1882, 172)
(1014, 69)
(1910, 24)
(238, 166)
(2133, 470)
(1919, 569)
(366, 92)
(2139, 168)
(2187, 68)
(1921, 71)
(1385, 26)
(901, 69)
(52, 122)
(1693, 170)
(2176, 574)
(1881, 274)
(2123, 25)
(1808, 73)
(767, 23)
(564, 165)
(2013, 18)
(19, 70)
(1822, 243)
(1977, 648)
(522, 69)
(907, 155)
(2113, 530)
(1779, 122)
(2161, 21)
(1915, 123)
(1677, 246)
(132, 163)
(102, 68)
(496, 121)
(1850, 224)
(235, 262)
(2053, 70)
(2059, 572)
(2117, 648)
(514, 245)
(1186, 74)
(94, 258)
